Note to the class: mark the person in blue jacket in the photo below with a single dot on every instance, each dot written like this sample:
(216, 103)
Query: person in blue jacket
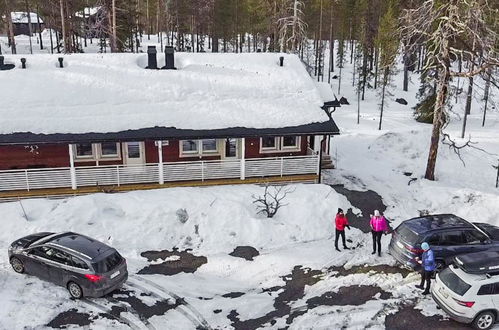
(428, 266)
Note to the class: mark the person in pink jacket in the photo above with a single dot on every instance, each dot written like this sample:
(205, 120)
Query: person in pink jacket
(378, 227)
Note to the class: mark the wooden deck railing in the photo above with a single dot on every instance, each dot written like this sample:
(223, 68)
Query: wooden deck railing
(117, 175)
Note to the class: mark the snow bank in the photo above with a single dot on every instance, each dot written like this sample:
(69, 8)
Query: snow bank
(113, 92)
(220, 218)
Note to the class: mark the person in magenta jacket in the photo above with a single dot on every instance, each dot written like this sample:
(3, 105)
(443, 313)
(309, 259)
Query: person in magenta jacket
(378, 227)
(340, 223)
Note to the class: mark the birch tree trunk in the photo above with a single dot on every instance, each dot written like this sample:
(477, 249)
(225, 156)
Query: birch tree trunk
(10, 27)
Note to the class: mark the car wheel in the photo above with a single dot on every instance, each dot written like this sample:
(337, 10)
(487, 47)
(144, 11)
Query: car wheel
(75, 290)
(484, 320)
(17, 265)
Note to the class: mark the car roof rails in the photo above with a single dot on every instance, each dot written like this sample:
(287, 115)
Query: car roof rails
(484, 263)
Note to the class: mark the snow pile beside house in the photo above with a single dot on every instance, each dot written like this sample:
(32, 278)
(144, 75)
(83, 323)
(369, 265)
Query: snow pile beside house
(220, 218)
(114, 92)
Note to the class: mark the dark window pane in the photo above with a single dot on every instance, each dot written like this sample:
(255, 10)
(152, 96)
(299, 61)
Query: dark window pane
(452, 238)
(289, 141)
(433, 239)
(59, 256)
(474, 237)
(210, 145)
(486, 289)
(230, 148)
(78, 263)
(268, 142)
(84, 150)
(407, 235)
(453, 282)
(109, 149)
(189, 146)
(107, 264)
(133, 149)
(496, 289)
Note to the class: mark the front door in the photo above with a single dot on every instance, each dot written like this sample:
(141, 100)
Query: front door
(231, 148)
(134, 153)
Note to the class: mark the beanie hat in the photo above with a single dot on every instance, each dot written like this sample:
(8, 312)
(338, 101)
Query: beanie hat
(376, 213)
(425, 246)
(340, 210)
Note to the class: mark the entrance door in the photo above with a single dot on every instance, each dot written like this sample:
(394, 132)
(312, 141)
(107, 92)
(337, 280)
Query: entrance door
(134, 153)
(231, 148)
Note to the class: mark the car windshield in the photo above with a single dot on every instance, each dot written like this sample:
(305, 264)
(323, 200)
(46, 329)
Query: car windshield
(407, 235)
(108, 263)
(453, 282)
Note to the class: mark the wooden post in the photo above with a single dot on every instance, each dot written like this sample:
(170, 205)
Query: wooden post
(160, 162)
(72, 170)
(243, 159)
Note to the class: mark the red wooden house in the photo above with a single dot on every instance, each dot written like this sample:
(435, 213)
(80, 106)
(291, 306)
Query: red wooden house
(119, 120)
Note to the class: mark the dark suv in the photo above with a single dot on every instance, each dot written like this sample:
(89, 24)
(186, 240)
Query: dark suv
(84, 266)
(447, 234)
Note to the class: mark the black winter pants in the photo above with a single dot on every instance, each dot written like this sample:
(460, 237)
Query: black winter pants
(377, 241)
(338, 234)
(426, 277)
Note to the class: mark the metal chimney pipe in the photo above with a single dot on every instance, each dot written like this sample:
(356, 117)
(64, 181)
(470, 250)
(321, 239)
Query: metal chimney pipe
(152, 61)
(281, 61)
(23, 63)
(169, 58)
(61, 62)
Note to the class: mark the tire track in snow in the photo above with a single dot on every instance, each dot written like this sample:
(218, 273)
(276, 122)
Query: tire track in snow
(108, 311)
(132, 311)
(198, 319)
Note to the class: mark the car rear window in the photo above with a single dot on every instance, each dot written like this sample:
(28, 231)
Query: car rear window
(453, 282)
(407, 235)
(107, 264)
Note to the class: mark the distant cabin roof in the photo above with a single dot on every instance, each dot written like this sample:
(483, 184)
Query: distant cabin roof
(89, 11)
(99, 94)
(22, 17)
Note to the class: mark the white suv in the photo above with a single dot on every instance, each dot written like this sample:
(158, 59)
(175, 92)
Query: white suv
(469, 290)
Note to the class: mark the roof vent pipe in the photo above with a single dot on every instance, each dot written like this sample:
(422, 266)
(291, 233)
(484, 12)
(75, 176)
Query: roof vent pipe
(61, 62)
(169, 58)
(23, 63)
(4, 66)
(281, 61)
(152, 62)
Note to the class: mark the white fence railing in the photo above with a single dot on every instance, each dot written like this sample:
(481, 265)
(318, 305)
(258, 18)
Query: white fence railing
(118, 175)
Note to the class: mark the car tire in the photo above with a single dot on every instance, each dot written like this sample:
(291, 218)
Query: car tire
(75, 290)
(484, 320)
(17, 265)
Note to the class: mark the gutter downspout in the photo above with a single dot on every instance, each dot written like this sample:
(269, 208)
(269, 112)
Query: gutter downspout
(320, 158)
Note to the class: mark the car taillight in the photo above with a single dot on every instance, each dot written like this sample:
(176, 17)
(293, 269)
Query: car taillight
(93, 278)
(414, 250)
(468, 304)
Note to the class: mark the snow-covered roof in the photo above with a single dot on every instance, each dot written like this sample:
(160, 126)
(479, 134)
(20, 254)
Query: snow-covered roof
(22, 17)
(89, 11)
(103, 93)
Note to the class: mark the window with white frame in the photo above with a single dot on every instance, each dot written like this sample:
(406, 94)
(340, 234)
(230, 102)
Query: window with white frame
(190, 148)
(209, 146)
(290, 142)
(269, 143)
(84, 151)
(109, 150)
(280, 144)
(96, 151)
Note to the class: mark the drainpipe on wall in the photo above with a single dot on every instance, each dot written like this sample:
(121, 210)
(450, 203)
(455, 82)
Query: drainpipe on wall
(320, 158)
(243, 157)
(160, 162)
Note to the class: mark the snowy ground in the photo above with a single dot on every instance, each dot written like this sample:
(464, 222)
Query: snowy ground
(297, 280)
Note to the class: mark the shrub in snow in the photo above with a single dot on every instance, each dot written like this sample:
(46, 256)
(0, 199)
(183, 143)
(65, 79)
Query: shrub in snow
(182, 215)
(272, 200)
